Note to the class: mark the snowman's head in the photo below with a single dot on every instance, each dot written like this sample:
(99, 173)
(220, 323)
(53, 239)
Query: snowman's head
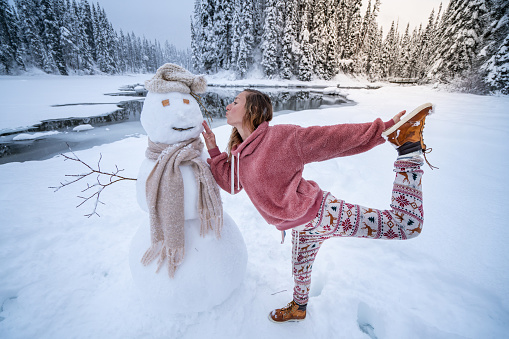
(172, 117)
(170, 113)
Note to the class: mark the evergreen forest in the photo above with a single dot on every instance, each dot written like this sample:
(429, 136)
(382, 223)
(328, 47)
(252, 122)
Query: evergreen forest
(465, 44)
(75, 37)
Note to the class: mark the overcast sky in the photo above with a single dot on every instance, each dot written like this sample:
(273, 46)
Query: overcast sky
(170, 19)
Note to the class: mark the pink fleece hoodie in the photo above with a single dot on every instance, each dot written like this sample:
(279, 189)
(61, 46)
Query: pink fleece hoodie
(271, 160)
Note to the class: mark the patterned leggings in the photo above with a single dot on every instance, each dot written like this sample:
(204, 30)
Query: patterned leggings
(337, 218)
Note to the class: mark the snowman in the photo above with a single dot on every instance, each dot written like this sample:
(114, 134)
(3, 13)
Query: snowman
(189, 256)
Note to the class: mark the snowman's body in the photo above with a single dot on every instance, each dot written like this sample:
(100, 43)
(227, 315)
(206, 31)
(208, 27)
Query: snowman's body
(212, 268)
(169, 125)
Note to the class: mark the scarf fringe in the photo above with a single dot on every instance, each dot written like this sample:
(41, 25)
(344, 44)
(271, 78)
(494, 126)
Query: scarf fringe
(151, 253)
(213, 223)
(174, 256)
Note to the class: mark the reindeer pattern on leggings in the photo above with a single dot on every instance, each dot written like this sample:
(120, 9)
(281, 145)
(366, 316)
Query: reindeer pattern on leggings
(336, 218)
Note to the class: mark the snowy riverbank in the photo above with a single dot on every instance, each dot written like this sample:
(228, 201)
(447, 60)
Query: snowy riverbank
(28, 100)
(63, 275)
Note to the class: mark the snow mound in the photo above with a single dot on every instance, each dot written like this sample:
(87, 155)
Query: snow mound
(81, 128)
(28, 136)
(212, 269)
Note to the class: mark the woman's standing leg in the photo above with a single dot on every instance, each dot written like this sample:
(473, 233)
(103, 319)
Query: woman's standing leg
(338, 218)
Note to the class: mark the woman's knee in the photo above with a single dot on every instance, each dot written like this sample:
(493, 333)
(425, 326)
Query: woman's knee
(413, 232)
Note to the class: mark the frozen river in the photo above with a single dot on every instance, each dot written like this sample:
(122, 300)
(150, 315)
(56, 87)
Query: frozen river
(86, 132)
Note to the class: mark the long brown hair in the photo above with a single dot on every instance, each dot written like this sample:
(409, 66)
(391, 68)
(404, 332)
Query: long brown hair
(258, 110)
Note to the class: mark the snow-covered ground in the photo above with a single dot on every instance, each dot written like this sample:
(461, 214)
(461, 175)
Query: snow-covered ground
(66, 276)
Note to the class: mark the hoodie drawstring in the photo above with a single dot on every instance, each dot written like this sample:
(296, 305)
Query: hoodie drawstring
(238, 171)
(232, 173)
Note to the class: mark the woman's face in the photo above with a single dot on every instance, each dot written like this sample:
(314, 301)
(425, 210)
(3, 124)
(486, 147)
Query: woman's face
(236, 110)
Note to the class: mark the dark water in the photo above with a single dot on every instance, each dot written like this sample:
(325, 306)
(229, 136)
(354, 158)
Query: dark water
(125, 122)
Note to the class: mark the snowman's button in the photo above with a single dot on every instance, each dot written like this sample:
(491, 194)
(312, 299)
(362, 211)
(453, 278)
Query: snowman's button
(186, 101)
(166, 102)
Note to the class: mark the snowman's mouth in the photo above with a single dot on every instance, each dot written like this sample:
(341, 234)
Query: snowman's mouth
(182, 129)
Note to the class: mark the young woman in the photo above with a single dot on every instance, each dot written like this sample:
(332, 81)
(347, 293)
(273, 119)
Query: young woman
(267, 162)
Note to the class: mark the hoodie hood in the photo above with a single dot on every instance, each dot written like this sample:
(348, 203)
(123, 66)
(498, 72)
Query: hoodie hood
(249, 145)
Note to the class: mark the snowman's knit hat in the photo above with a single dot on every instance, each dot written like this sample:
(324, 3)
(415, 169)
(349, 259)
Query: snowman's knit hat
(174, 78)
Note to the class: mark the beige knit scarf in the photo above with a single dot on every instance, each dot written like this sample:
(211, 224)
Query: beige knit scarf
(165, 200)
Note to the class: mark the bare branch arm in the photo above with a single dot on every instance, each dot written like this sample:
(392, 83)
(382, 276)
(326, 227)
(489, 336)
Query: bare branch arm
(96, 188)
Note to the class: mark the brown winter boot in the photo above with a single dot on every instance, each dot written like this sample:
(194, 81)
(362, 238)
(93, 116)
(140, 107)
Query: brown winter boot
(292, 312)
(406, 135)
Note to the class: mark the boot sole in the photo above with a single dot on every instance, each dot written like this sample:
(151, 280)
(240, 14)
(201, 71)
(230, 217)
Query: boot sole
(407, 117)
(287, 321)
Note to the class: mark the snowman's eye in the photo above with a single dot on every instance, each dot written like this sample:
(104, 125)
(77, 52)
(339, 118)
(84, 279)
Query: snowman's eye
(186, 101)
(166, 102)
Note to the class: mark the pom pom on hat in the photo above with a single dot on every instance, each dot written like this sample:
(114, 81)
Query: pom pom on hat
(174, 78)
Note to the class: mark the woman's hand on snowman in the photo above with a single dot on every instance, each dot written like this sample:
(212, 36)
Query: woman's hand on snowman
(209, 136)
(398, 116)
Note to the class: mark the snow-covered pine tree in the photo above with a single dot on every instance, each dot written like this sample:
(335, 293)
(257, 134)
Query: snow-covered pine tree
(51, 38)
(497, 68)
(208, 38)
(246, 39)
(112, 41)
(280, 28)
(222, 33)
(131, 51)
(367, 39)
(10, 58)
(236, 33)
(145, 54)
(364, 28)
(73, 39)
(374, 71)
(122, 52)
(81, 39)
(289, 47)
(29, 28)
(318, 38)
(270, 40)
(372, 44)
(69, 48)
(425, 49)
(86, 12)
(352, 26)
(330, 68)
(196, 36)
(415, 56)
(306, 58)
(341, 15)
(106, 42)
(460, 35)
(495, 54)
(258, 19)
(388, 53)
(405, 55)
